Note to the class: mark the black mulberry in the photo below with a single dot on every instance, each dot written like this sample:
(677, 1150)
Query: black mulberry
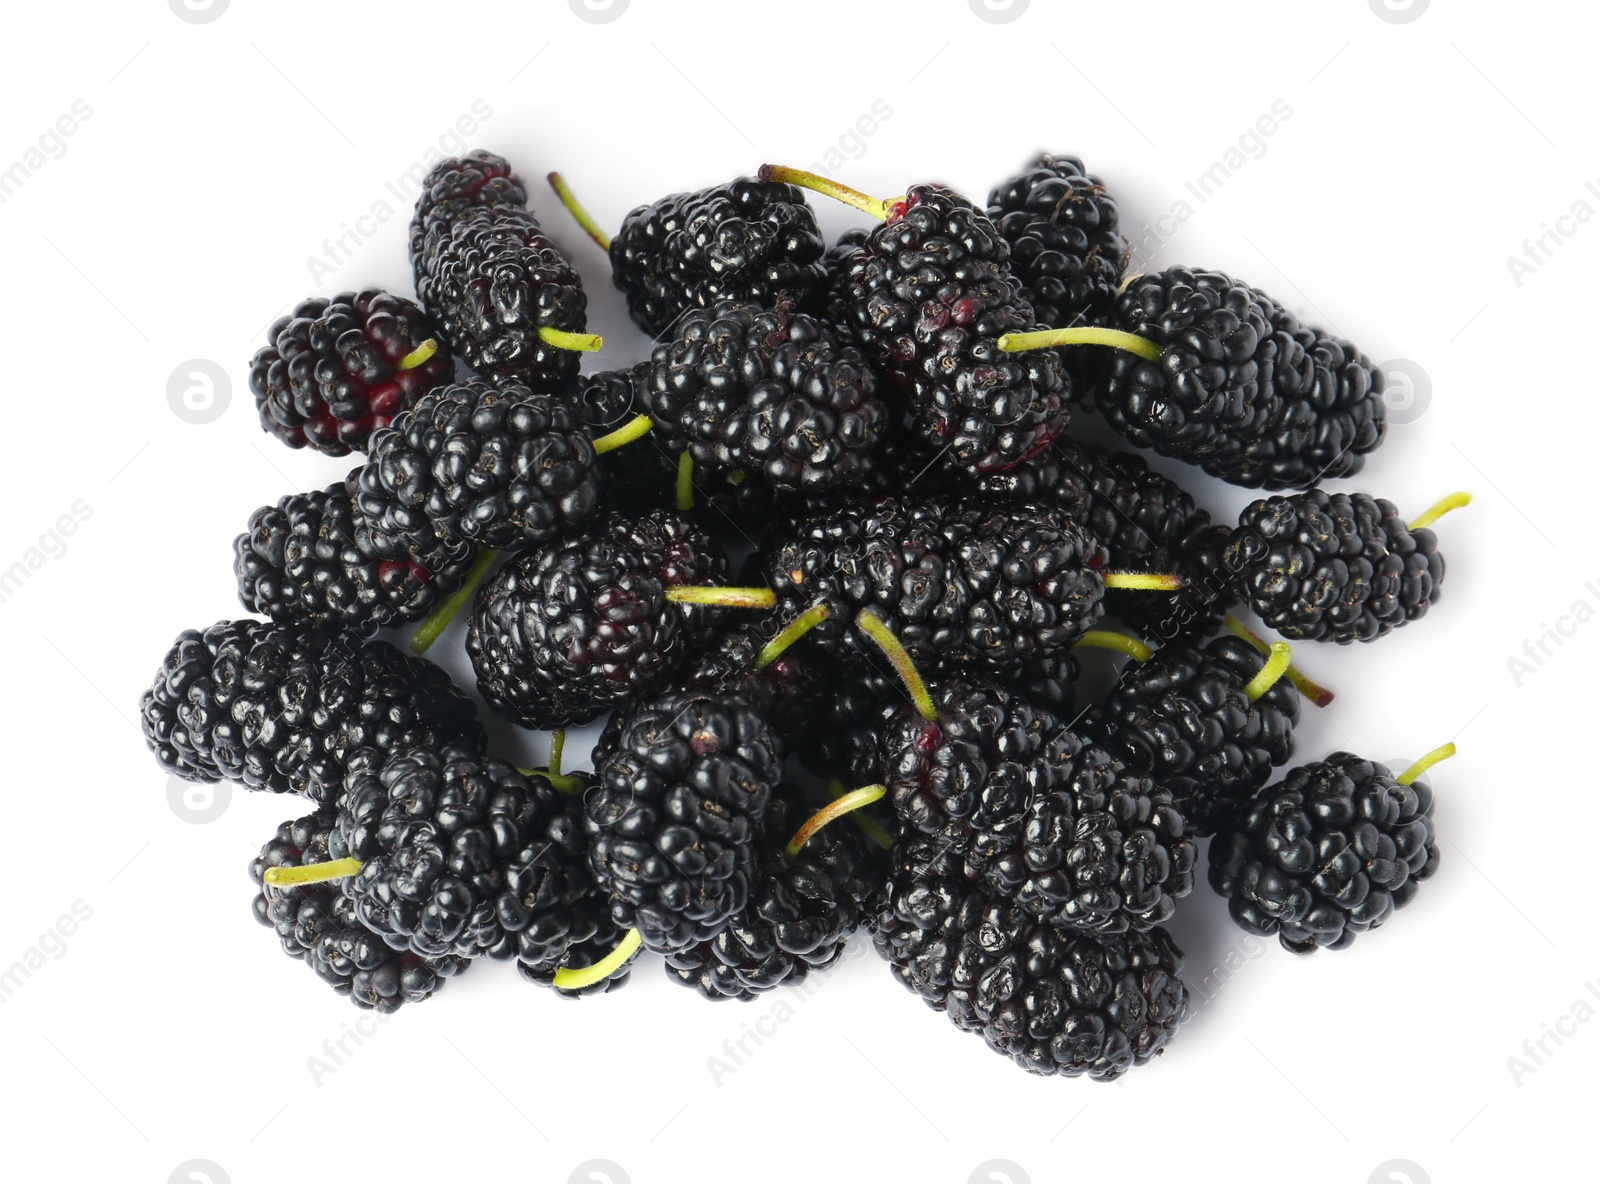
(1327, 853)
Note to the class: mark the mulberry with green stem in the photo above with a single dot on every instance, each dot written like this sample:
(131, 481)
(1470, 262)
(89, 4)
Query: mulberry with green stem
(967, 585)
(315, 925)
(313, 557)
(1147, 522)
(674, 824)
(1338, 567)
(931, 294)
(803, 908)
(335, 370)
(1331, 851)
(769, 393)
(504, 298)
(444, 851)
(566, 631)
(1207, 722)
(1208, 370)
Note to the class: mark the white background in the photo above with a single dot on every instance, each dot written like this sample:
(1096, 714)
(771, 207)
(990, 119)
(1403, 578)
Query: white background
(179, 220)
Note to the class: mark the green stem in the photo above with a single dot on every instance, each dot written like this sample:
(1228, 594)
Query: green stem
(791, 633)
(576, 978)
(585, 343)
(1271, 671)
(870, 624)
(558, 744)
(1452, 501)
(1426, 762)
(838, 808)
(725, 597)
(439, 619)
(579, 214)
(626, 434)
(1105, 639)
(868, 827)
(1320, 695)
(310, 873)
(1083, 335)
(419, 355)
(878, 207)
(1144, 581)
(685, 491)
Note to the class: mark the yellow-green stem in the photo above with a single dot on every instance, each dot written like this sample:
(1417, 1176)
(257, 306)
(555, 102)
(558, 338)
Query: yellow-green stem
(791, 633)
(1452, 501)
(1425, 762)
(1083, 335)
(871, 829)
(419, 355)
(1271, 671)
(870, 624)
(558, 745)
(1144, 581)
(310, 873)
(877, 207)
(1318, 694)
(724, 597)
(583, 343)
(626, 434)
(838, 808)
(560, 782)
(576, 978)
(439, 619)
(685, 491)
(579, 214)
(1105, 639)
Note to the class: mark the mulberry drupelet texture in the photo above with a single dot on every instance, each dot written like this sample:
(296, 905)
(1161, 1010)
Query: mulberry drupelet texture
(1054, 1000)
(441, 833)
(1326, 854)
(1183, 718)
(490, 278)
(1341, 567)
(1051, 821)
(801, 913)
(674, 825)
(315, 925)
(313, 557)
(1147, 522)
(562, 633)
(930, 294)
(966, 585)
(332, 371)
(1066, 248)
(1241, 388)
(746, 240)
(770, 393)
(478, 464)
